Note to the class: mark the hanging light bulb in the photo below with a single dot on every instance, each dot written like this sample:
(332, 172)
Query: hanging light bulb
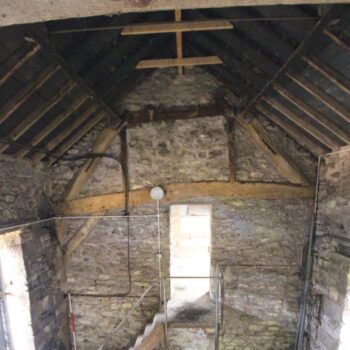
(157, 193)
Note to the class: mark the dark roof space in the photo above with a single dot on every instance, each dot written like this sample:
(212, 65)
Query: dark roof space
(288, 63)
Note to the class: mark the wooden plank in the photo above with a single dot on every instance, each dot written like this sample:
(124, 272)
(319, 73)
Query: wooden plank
(38, 113)
(293, 131)
(179, 52)
(185, 191)
(61, 229)
(330, 73)
(56, 57)
(85, 172)
(83, 232)
(322, 96)
(23, 94)
(53, 124)
(310, 129)
(174, 62)
(336, 39)
(304, 45)
(12, 70)
(18, 11)
(77, 136)
(313, 114)
(158, 115)
(176, 27)
(70, 128)
(257, 135)
(66, 132)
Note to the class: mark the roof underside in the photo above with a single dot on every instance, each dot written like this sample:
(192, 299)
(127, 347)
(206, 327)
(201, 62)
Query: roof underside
(55, 88)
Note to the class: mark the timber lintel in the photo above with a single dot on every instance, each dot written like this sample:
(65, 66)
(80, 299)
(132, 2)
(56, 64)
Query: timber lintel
(178, 192)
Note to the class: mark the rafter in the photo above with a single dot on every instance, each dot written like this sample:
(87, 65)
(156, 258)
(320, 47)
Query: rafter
(328, 72)
(54, 123)
(53, 143)
(19, 63)
(294, 131)
(38, 113)
(322, 96)
(257, 135)
(184, 191)
(77, 136)
(336, 39)
(24, 93)
(313, 114)
(36, 37)
(310, 129)
(303, 46)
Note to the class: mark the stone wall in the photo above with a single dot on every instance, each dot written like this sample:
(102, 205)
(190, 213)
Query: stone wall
(266, 236)
(24, 193)
(329, 309)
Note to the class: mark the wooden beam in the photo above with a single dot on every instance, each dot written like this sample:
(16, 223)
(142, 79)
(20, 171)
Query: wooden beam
(83, 232)
(56, 57)
(18, 12)
(330, 73)
(303, 46)
(66, 132)
(336, 39)
(257, 135)
(158, 115)
(85, 172)
(38, 113)
(307, 127)
(23, 94)
(313, 114)
(293, 131)
(178, 192)
(61, 229)
(12, 70)
(176, 27)
(174, 62)
(55, 122)
(179, 52)
(70, 128)
(77, 136)
(322, 96)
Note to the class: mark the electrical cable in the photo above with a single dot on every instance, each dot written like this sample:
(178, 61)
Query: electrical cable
(308, 271)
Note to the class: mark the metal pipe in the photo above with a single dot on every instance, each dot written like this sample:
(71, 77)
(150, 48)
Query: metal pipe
(159, 254)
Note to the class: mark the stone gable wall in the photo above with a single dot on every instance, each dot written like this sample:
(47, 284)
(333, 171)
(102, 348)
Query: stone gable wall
(251, 232)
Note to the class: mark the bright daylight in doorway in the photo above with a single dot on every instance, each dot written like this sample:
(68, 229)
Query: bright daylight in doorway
(190, 237)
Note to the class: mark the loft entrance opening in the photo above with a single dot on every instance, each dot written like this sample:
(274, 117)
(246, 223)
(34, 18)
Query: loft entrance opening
(190, 245)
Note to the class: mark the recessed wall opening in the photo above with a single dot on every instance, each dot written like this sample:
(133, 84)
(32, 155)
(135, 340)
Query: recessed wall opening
(15, 309)
(190, 242)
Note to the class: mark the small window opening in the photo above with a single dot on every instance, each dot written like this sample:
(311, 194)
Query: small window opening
(15, 300)
(190, 239)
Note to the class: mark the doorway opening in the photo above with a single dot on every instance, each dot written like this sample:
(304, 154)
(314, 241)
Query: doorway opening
(190, 245)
